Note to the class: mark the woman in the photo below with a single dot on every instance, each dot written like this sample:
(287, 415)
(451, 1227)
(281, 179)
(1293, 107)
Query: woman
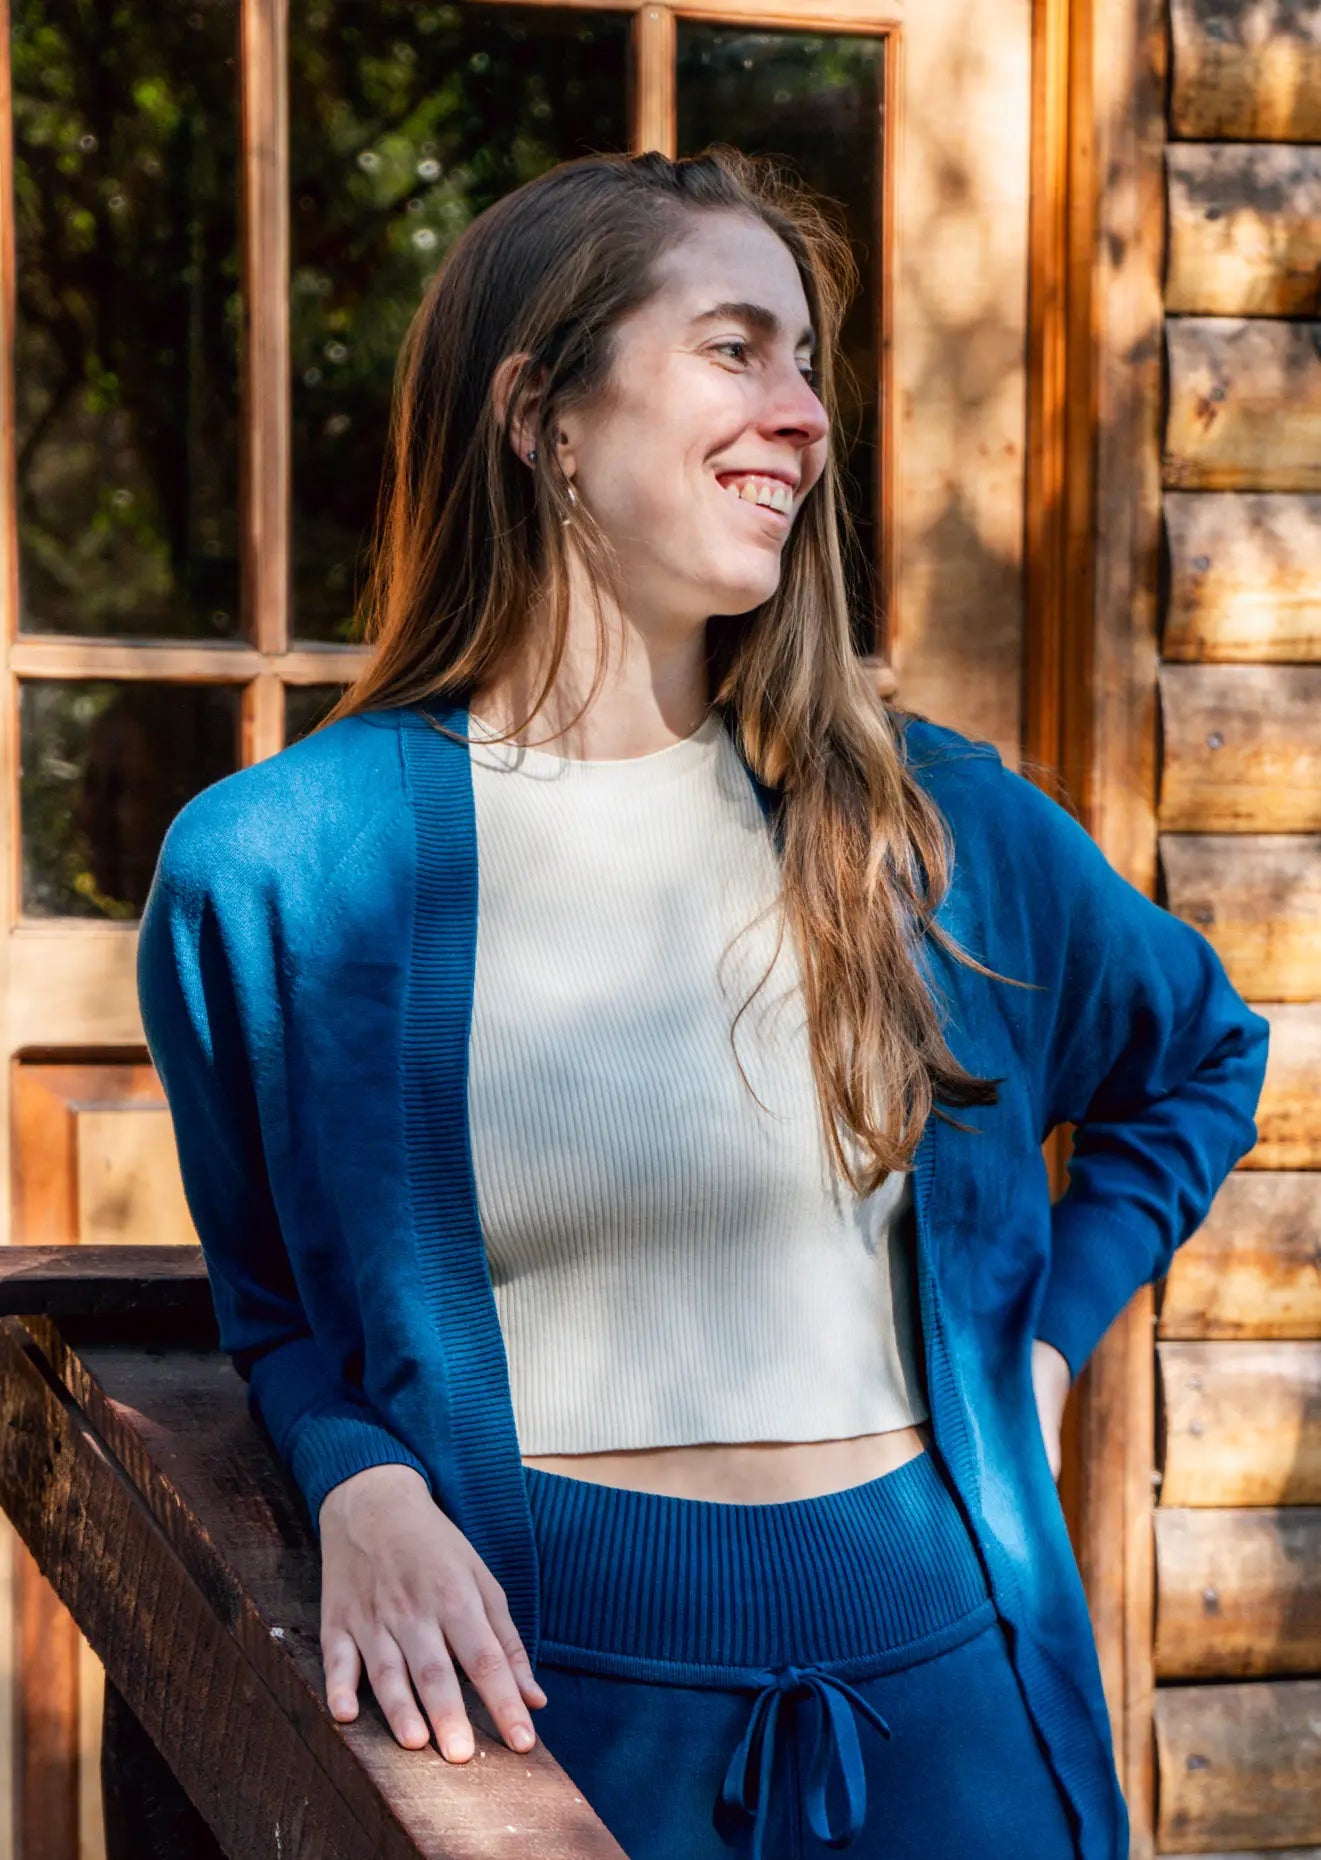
(643, 1259)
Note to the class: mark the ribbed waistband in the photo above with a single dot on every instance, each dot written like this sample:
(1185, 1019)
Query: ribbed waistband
(886, 1565)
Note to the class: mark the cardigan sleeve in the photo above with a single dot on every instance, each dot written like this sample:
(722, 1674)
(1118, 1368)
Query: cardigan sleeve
(1152, 1056)
(198, 969)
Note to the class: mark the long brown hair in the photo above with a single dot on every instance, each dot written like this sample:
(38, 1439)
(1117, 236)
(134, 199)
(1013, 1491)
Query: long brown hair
(469, 545)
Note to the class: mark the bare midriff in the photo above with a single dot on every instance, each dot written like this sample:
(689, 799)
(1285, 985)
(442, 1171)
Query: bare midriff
(761, 1472)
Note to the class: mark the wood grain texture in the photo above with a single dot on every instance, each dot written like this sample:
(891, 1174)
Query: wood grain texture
(1289, 1114)
(36, 656)
(1239, 1765)
(1238, 1592)
(1245, 229)
(1245, 576)
(1267, 1853)
(956, 347)
(145, 1810)
(46, 1737)
(1242, 748)
(651, 80)
(1253, 1268)
(208, 1624)
(1118, 103)
(165, 1283)
(1242, 1423)
(1257, 898)
(1244, 405)
(1246, 72)
(267, 391)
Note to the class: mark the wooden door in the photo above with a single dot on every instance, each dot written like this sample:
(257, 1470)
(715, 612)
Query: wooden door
(215, 220)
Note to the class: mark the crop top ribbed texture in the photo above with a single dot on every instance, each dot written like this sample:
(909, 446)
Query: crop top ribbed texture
(672, 1261)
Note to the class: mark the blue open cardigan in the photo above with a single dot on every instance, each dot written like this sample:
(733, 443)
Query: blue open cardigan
(305, 970)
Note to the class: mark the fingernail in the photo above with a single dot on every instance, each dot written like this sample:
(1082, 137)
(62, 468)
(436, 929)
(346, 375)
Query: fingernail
(521, 1737)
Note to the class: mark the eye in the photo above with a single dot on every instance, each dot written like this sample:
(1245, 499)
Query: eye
(811, 374)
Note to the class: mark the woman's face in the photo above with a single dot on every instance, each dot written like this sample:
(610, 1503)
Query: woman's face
(708, 410)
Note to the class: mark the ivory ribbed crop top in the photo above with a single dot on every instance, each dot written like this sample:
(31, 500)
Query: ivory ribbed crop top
(672, 1261)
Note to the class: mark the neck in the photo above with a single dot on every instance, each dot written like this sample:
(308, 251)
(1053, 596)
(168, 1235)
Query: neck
(653, 693)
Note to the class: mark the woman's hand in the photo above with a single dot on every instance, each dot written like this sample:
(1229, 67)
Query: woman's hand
(404, 1591)
(1050, 1382)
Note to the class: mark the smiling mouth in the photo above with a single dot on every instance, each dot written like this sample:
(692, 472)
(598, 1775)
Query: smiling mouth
(778, 514)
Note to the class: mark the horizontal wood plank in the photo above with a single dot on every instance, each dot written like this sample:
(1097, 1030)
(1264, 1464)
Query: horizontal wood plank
(1266, 1853)
(1238, 1592)
(1289, 1114)
(1242, 748)
(1257, 898)
(1246, 72)
(235, 1552)
(1238, 1765)
(1244, 405)
(1244, 229)
(809, 15)
(100, 1281)
(36, 655)
(1245, 576)
(1241, 1423)
(1253, 1268)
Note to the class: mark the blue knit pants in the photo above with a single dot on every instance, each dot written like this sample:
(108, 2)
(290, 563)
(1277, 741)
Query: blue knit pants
(783, 1681)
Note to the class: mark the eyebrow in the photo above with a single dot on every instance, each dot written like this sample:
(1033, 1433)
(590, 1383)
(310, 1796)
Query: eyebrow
(757, 316)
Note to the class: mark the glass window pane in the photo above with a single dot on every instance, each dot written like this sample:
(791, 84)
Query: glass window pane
(104, 767)
(816, 101)
(406, 120)
(126, 340)
(305, 706)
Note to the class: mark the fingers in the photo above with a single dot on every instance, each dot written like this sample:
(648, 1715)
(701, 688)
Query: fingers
(339, 1654)
(502, 1626)
(432, 1671)
(416, 1655)
(385, 1661)
(470, 1638)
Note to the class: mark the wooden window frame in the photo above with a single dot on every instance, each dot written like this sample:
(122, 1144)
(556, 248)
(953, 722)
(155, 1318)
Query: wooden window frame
(268, 658)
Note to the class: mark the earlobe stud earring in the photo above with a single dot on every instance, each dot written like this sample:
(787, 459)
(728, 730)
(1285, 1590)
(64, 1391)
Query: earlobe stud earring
(532, 455)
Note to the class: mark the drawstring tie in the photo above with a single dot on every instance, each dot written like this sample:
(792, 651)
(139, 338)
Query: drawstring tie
(837, 1735)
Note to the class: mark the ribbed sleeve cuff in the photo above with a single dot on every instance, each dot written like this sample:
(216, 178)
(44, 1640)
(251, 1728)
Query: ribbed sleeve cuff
(1100, 1256)
(332, 1447)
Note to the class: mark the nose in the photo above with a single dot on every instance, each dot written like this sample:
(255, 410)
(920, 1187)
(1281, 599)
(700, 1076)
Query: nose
(794, 411)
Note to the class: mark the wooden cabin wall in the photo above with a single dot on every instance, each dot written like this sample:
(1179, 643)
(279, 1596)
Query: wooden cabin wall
(1208, 616)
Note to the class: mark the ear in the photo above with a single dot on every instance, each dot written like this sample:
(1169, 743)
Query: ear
(522, 432)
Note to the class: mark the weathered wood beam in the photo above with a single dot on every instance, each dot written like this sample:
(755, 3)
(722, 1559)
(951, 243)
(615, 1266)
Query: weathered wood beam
(1242, 748)
(1244, 404)
(1253, 1268)
(1246, 72)
(1238, 1765)
(1245, 229)
(1257, 898)
(207, 1620)
(1245, 576)
(1241, 1423)
(96, 1281)
(1238, 1592)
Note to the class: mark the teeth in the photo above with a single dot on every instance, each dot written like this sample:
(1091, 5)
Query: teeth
(768, 491)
